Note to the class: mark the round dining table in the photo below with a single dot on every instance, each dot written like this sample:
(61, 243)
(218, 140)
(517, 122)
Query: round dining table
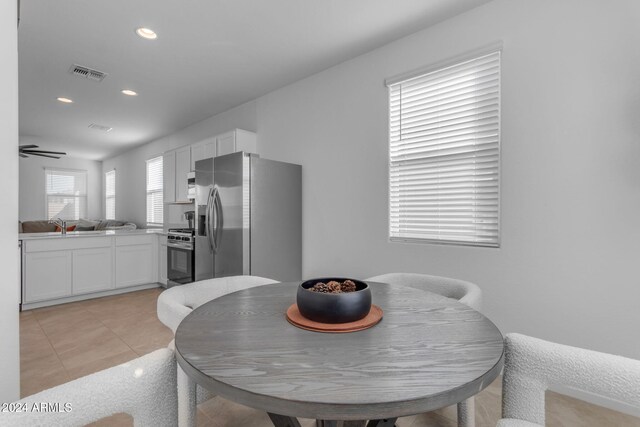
(426, 353)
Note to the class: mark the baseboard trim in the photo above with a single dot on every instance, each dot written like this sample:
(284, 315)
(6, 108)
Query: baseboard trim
(40, 304)
(596, 399)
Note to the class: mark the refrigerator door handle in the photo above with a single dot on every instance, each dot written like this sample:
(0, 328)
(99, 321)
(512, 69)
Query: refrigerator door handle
(212, 231)
(207, 219)
(217, 204)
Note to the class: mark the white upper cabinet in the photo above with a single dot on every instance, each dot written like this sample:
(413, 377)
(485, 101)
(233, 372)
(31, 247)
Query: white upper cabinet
(175, 166)
(169, 176)
(202, 150)
(236, 140)
(183, 167)
(226, 143)
(179, 162)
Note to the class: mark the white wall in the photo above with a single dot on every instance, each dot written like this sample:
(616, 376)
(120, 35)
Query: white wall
(131, 168)
(570, 175)
(32, 185)
(9, 254)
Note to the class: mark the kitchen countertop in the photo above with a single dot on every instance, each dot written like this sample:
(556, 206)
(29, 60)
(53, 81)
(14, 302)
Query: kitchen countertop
(101, 233)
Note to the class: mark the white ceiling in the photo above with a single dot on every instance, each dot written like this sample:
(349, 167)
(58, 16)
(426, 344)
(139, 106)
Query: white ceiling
(209, 57)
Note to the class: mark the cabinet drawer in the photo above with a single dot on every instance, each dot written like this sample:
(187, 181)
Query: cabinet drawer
(135, 240)
(66, 243)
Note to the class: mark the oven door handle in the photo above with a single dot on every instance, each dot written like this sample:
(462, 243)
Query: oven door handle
(185, 246)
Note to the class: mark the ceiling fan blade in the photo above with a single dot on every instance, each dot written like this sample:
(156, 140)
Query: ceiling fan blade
(44, 155)
(43, 151)
(28, 146)
(23, 155)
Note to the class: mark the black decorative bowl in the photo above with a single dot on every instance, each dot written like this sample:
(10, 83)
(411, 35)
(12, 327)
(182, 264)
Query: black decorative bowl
(334, 308)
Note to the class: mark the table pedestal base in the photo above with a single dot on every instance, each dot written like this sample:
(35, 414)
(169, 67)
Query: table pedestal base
(283, 420)
(286, 421)
(387, 422)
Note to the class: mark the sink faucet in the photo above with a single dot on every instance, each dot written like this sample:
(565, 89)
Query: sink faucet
(60, 223)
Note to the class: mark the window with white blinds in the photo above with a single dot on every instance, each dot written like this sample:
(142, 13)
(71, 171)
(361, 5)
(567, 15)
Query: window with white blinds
(444, 154)
(66, 193)
(154, 192)
(110, 194)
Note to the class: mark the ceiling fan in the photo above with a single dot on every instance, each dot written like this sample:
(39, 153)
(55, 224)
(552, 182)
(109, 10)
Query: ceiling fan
(30, 149)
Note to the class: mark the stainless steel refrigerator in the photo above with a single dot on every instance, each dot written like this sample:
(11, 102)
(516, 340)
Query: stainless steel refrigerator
(249, 218)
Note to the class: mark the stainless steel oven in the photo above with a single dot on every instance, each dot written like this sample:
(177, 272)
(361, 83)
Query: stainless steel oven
(180, 256)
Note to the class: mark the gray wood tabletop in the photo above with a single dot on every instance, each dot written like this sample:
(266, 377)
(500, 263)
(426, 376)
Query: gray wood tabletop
(427, 352)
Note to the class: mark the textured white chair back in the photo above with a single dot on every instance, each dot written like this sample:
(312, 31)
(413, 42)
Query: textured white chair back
(176, 303)
(144, 388)
(466, 292)
(532, 364)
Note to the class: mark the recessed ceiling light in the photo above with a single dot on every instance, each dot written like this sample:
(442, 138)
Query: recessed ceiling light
(146, 33)
(129, 92)
(65, 100)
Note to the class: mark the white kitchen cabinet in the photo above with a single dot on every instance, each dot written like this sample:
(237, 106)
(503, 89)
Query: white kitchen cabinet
(169, 176)
(92, 270)
(70, 268)
(48, 276)
(236, 140)
(179, 162)
(202, 150)
(226, 143)
(183, 167)
(136, 260)
(175, 166)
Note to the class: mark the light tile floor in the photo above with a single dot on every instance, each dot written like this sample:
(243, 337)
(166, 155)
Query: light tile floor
(61, 343)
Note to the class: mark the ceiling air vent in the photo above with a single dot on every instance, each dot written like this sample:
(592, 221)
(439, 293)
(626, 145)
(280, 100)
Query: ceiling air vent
(100, 127)
(87, 73)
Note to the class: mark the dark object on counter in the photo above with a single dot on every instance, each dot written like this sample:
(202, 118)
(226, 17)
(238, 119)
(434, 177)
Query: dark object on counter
(340, 307)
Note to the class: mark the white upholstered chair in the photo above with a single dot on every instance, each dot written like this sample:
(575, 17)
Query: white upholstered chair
(144, 388)
(532, 364)
(466, 292)
(175, 304)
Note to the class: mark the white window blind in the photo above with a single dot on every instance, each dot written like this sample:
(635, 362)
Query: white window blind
(154, 192)
(66, 193)
(444, 132)
(110, 194)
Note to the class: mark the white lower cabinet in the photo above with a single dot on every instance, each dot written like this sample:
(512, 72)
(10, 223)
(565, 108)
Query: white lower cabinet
(57, 270)
(136, 261)
(48, 275)
(92, 270)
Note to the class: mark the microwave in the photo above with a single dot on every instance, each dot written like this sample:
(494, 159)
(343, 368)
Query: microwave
(191, 185)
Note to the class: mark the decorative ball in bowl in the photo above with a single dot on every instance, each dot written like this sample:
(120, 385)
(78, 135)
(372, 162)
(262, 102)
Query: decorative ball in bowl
(334, 299)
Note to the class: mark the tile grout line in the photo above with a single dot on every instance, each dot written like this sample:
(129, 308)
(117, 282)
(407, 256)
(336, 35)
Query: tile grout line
(202, 413)
(114, 333)
(53, 348)
(68, 375)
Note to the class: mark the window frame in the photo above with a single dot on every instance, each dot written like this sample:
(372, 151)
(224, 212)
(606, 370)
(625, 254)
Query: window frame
(458, 60)
(81, 197)
(148, 192)
(108, 196)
